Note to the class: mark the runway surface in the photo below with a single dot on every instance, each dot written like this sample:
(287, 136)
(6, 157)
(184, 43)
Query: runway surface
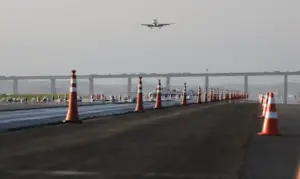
(22, 118)
(4, 106)
(277, 157)
(195, 141)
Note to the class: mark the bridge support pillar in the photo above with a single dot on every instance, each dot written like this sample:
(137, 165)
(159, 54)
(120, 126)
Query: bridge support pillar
(206, 82)
(129, 84)
(53, 86)
(285, 90)
(168, 83)
(15, 86)
(246, 84)
(91, 86)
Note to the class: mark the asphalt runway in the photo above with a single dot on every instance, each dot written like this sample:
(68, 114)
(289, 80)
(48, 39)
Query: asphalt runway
(11, 120)
(196, 141)
(277, 157)
(23, 106)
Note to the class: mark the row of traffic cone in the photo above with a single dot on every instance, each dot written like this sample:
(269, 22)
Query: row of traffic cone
(269, 114)
(72, 115)
(217, 95)
(214, 96)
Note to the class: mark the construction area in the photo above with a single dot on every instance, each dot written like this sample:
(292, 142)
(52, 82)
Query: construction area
(217, 140)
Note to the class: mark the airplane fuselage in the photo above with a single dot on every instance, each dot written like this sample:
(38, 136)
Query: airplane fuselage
(156, 24)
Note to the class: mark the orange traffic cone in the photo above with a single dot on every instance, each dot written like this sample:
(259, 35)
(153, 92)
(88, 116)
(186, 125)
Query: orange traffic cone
(205, 96)
(270, 126)
(211, 95)
(184, 102)
(199, 101)
(92, 98)
(261, 98)
(298, 171)
(264, 105)
(158, 104)
(214, 94)
(139, 103)
(221, 97)
(228, 95)
(72, 115)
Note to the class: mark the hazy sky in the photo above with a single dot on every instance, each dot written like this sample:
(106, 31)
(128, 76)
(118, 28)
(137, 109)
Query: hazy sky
(40, 37)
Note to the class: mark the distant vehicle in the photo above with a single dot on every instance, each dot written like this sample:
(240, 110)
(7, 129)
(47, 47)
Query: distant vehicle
(112, 99)
(155, 23)
(79, 99)
(173, 93)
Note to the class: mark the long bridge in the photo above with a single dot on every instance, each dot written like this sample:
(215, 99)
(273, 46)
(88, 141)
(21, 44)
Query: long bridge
(168, 77)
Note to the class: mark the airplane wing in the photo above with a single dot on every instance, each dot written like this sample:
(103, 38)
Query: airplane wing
(148, 25)
(165, 24)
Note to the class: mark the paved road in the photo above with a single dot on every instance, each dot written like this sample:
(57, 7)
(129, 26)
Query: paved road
(195, 141)
(277, 157)
(28, 106)
(32, 117)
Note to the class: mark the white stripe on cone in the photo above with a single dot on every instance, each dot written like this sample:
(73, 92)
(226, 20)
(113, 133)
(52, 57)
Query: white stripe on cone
(139, 90)
(73, 89)
(73, 81)
(271, 115)
(271, 100)
(158, 88)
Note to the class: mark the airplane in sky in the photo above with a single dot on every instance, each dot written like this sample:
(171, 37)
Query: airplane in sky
(155, 23)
